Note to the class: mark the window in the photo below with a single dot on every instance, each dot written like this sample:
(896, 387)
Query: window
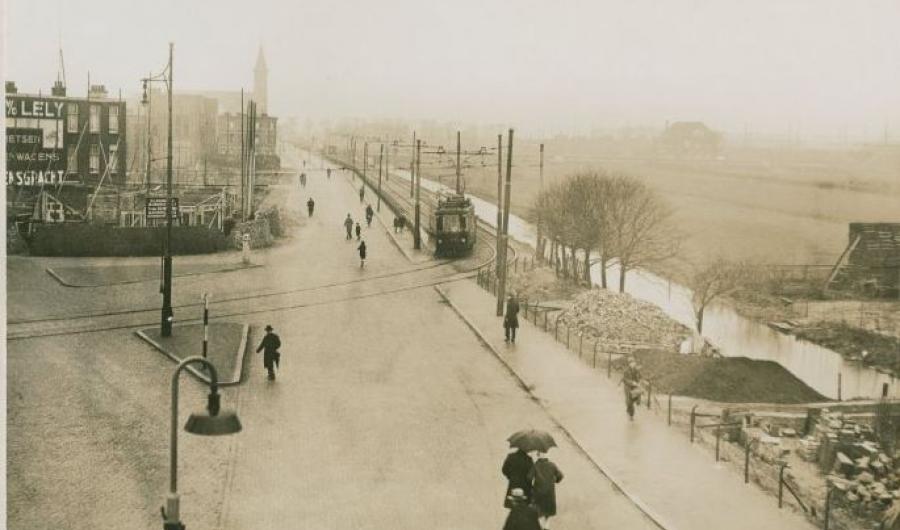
(113, 163)
(95, 158)
(72, 160)
(95, 118)
(114, 119)
(72, 118)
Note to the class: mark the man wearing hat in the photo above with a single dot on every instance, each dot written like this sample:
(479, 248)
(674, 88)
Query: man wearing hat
(631, 380)
(511, 318)
(269, 346)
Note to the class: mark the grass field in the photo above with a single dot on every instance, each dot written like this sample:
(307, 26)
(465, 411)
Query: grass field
(785, 206)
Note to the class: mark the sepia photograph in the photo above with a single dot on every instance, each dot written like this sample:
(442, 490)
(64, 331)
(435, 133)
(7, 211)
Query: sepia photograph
(468, 265)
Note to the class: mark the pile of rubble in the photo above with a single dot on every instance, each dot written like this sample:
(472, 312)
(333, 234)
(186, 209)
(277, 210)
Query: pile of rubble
(620, 319)
(862, 473)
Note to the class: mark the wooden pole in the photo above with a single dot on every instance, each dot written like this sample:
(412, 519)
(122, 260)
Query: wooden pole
(540, 241)
(417, 236)
(499, 198)
(380, 161)
(501, 292)
(458, 168)
(412, 169)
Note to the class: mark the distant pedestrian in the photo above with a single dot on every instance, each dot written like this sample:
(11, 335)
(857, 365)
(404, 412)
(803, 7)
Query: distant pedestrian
(544, 477)
(362, 193)
(328, 173)
(369, 214)
(511, 319)
(303, 179)
(310, 205)
(362, 253)
(516, 468)
(358, 231)
(522, 515)
(348, 224)
(631, 381)
(396, 224)
(269, 346)
(402, 222)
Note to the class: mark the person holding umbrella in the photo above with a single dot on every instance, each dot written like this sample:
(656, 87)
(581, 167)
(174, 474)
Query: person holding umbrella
(522, 515)
(516, 468)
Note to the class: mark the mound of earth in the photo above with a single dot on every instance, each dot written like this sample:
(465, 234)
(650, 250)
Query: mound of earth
(728, 380)
(620, 318)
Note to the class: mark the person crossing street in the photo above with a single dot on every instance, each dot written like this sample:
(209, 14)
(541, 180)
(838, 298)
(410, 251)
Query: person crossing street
(358, 231)
(348, 224)
(269, 346)
(370, 213)
(362, 253)
(310, 205)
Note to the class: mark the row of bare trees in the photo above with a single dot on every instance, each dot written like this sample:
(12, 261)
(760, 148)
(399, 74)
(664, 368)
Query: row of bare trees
(605, 218)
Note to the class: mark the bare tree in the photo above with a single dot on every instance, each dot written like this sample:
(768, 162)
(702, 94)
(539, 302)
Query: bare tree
(713, 279)
(640, 226)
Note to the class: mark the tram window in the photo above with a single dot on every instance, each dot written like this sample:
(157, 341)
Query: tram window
(462, 223)
(451, 223)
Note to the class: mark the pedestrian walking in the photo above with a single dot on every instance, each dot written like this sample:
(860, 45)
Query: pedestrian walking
(328, 173)
(358, 231)
(362, 193)
(362, 253)
(310, 205)
(348, 224)
(544, 478)
(516, 469)
(303, 179)
(396, 223)
(269, 346)
(511, 319)
(402, 222)
(631, 382)
(522, 515)
(370, 213)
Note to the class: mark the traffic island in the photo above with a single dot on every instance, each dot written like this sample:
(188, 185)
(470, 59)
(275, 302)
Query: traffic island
(102, 275)
(225, 349)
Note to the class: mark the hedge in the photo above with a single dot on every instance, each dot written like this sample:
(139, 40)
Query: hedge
(82, 239)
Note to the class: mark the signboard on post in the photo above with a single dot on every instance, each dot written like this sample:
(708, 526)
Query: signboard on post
(156, 208)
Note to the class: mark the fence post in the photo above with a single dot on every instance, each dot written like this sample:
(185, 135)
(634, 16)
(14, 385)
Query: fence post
(594, 362)
(609, 365)
(534, 313)
(556, 329)
(568, 333)
(828, 506)
(545, 319)
(526, 310)
(718, 439)
(781, 485)
(839, 386)
(649, 392)
(670, 410)
(747, 461)
(693, 421)
(580, 342)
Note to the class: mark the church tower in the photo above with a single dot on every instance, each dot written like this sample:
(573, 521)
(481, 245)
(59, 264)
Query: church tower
(261, 83)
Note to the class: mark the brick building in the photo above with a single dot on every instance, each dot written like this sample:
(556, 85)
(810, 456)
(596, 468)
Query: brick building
(871, 261)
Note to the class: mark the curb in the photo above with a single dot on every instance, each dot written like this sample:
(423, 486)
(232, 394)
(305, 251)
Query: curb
(655, 518)
(236, 375)
(59, 278)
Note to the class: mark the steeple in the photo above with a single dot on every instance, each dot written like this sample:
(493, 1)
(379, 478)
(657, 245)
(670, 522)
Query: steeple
(261, 82)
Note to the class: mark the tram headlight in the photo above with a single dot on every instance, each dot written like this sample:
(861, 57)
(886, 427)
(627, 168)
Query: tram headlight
(464, 240)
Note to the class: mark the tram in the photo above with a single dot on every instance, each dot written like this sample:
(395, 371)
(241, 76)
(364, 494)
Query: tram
(452, 225)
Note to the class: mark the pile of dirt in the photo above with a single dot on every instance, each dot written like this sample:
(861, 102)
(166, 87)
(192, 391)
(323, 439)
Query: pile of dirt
(540, 284)
(728, 380)
(620, 318)
(850, 342)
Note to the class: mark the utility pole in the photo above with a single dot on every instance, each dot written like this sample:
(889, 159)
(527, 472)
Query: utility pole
(499, 199)
(540, 241)
(380, 161)
(149, 137)
(501, 290)
(167, 315)
(458, 190)
(365, 160)
(243, 183)
(417, 236)
(412, 167)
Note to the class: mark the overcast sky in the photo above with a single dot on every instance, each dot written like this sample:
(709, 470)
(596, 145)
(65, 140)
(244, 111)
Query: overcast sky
(809, 65)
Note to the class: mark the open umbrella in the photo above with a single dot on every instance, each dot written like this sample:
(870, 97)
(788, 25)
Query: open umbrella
(532, 440)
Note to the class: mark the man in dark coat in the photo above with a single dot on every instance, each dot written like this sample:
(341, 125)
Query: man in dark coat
(511, 320)
(631, 380)
(369, 214)
(358, 231)
(310, 205)
(362, 254)
(522, 516)
(348, 224)
(269, 346)
(516, 468)
(544, 477)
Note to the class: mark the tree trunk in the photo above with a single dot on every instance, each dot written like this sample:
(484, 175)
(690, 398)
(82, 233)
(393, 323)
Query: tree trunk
(622, 271)
(554, 257)
(565, 262)
(700, 320)
(603, 270)
(587, 267)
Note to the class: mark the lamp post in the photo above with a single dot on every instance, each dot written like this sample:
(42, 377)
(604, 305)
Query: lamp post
(212, 424)
(167, 314)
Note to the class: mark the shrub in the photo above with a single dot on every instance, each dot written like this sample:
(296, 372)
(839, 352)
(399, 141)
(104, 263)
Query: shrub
(82, 239)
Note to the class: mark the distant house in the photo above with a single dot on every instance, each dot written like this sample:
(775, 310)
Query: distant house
(689, 139)
(871, 260)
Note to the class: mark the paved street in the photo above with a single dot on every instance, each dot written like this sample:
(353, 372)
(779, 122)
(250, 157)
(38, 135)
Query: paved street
(388, 411)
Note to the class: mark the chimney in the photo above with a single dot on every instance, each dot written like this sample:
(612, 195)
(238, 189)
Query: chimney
(11, 87)
(97, 91)
(58, 89)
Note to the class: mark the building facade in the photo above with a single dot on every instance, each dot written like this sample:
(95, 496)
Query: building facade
(64, 146)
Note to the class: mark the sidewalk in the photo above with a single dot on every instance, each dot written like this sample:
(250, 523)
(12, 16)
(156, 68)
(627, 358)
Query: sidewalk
(677, 484)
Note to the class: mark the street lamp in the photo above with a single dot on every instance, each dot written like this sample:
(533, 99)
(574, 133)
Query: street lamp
(167, 315)
(211, 424)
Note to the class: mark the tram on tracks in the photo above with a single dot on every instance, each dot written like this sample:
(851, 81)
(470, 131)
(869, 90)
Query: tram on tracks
(452, 225)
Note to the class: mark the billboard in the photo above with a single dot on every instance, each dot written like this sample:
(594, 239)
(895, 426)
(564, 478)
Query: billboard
(35, 140)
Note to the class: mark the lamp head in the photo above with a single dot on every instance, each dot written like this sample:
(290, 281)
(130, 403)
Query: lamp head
(213, 423)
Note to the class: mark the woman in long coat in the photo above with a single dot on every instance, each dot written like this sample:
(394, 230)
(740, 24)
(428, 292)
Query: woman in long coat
(516, 468)
(522, 516)
(544, 478)
(362, 253)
